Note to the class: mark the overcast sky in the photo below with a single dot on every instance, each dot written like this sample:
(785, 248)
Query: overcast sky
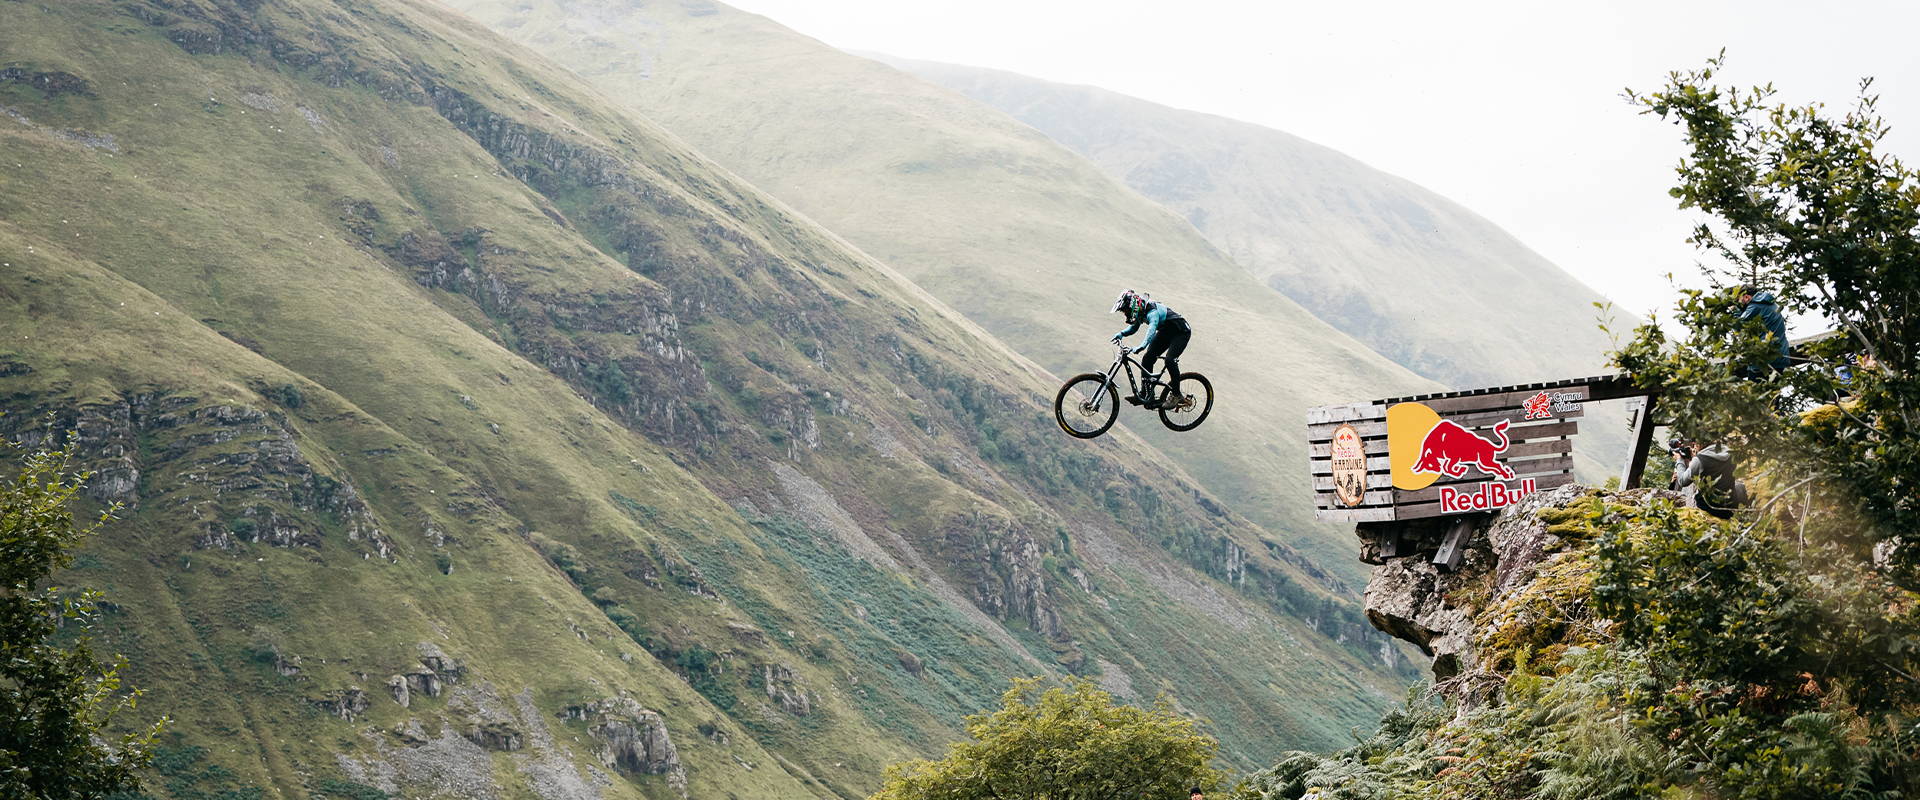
(1512, 109)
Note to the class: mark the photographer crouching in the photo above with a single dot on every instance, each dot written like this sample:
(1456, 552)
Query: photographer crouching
(1705, 477)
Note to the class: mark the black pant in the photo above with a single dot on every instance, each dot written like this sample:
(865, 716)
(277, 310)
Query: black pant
(1170, 340)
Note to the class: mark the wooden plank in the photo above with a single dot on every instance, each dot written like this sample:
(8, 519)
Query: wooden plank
(1505, 397)
(1378, 480)
(1528, 432)
(1453, 549)
(1382, 514)
(1536, 430)
(1324, 432)
(1535, 466)
(1516, 414)
(1596, 385)
(1394, 545)
(1377, 498)
(1324, 466)
(1349, 412)
(1538, 447)
(1636, 465)
(1616, 388)
(1373, 447)
(1416, 510)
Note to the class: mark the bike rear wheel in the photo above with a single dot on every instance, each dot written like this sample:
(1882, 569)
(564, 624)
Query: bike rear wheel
(1186, 412)
(1086, 406)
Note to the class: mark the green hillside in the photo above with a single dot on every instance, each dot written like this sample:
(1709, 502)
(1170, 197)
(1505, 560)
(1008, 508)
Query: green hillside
(1021, 235)
(477, 438)
(1415, 276)
(1418, 278)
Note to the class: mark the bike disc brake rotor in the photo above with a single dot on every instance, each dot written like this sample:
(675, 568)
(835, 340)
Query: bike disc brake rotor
(1087, 405)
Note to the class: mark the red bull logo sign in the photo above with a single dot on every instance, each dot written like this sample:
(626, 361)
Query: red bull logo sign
(1424, 449)
(1482, 497)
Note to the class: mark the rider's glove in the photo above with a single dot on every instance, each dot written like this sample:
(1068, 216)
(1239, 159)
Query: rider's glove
(1116, 338)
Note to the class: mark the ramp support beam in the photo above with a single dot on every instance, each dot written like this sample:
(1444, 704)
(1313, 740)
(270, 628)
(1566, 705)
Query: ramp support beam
(1636, 465)
(1454, 548)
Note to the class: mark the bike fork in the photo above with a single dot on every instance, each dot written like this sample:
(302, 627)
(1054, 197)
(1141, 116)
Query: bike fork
(1102, 394)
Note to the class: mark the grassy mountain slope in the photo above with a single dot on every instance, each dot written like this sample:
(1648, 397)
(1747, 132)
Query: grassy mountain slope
(1022, 236)
(1415, 276)
(477, 437)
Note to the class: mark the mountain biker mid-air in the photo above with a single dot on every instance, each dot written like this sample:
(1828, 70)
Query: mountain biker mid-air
(1167, 334)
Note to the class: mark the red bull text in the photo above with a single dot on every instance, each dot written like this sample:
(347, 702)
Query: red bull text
(1483, 497)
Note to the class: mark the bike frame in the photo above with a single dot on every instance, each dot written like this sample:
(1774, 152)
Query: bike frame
(1125, 359)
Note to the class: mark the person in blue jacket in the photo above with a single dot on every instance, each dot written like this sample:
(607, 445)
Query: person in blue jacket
(1167, 335)
(1759, 304)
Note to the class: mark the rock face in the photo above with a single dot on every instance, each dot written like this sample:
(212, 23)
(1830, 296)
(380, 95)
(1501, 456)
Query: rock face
(237, 469)
(785, 689)
(1009, 578)
(1413, 599)
(632, 739)
(440, 666)
(344, 703)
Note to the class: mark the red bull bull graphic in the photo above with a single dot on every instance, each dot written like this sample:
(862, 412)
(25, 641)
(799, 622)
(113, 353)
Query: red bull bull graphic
(1451, 450)
(1423, 448)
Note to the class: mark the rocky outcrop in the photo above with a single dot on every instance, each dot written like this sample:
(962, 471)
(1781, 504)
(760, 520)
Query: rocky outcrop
(1454, 616)
(1009, 577)
(404, 686)
(911, 663)
(286, 666)
(631, 739)
(436, 669)
(402, 693)
(343, 703)
(1411, 598)
(51, 82)
(439, 665)
(236, 469)
(785, 690)
(498, 736)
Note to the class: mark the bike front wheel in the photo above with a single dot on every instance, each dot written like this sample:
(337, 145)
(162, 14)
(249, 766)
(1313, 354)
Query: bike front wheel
(1086, 406)
(1186, 411)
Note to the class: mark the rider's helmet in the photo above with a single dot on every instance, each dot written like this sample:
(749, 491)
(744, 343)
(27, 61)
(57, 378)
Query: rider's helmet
(1130, 304)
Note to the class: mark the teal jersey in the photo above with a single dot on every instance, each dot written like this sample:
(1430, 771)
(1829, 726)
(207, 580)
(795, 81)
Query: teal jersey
(1157, 313)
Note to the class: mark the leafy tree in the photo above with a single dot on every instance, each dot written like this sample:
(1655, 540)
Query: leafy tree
(1808, 206)
(56, 699)
(1068, 742)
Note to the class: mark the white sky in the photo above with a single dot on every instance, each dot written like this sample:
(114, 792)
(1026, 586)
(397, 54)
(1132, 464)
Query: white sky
(1513, 109)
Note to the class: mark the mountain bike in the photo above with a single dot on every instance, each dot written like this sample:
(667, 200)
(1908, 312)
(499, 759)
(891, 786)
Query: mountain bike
(1088, 404)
